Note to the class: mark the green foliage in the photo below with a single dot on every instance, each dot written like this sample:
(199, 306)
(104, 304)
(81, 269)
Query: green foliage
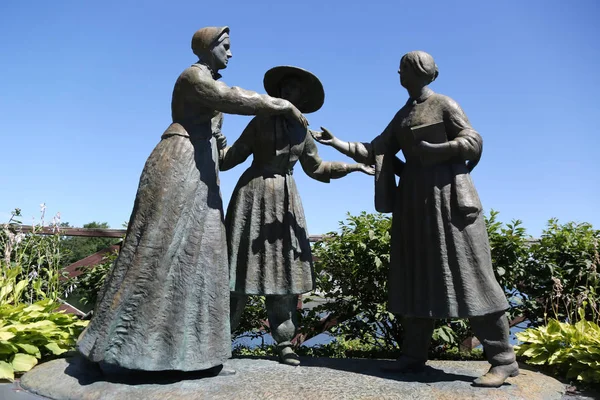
(30, 269)
(509, 244)
(264, 350)
(30, 333)
(252, 322)
(77, 248)
(354, 348)
(351, 273)
(89, 283)
(30, 287)
(552, 276)
(562, 273)
(573, 350)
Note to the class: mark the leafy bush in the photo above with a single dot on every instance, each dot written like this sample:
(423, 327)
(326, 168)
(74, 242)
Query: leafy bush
(351, 271)
(29, 333)
(563, 282)
(87, 285)
(75, 248)
(252, 322)
(562, 273)
(573, 350)
(30, 287)
(510, 248)
(552, 276)
(31, 263)
(354, 348)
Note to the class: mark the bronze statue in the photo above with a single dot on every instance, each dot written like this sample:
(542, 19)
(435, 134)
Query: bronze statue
(440, 263)
(165, 304)
(269, 251)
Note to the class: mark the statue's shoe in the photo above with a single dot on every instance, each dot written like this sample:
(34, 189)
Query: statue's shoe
(496, 376)
(220, 370)
(288, 357)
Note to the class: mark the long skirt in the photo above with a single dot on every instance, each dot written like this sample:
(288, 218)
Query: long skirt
(269, 250)
(165, 304)
(440, 264)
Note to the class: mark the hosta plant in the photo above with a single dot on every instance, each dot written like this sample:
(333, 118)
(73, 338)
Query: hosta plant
(30, 333)
(572, 349)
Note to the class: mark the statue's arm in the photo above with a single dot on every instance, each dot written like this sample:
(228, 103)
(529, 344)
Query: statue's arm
(398, 166)
(463, 141)
(232, 99)
(324, 171)
(216, 125)
(361, 152)
(241, 149)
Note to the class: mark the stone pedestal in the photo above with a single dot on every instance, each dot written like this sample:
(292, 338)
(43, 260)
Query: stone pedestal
(316, 378)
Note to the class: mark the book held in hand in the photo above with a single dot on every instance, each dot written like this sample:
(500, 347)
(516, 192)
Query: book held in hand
(432, 133)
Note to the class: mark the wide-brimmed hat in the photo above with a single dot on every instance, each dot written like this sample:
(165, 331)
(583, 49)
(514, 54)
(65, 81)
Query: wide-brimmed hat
(315, 95)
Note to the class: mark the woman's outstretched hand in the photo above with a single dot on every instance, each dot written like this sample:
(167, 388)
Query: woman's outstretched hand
(367, 169)
(364, 168)
(324, 137)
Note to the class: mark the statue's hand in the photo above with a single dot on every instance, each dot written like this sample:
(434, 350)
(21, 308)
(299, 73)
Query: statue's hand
(432, 153)
(298, 116)
(221, 140)
(424, 147)
(323, 137)
(398, 165)
(367, 169)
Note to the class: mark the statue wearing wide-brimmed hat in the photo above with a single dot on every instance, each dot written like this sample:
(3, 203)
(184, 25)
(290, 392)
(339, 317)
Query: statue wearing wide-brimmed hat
(165, 304)
(269, 251)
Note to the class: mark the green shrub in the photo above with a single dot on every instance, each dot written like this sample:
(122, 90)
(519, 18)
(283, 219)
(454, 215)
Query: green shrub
(550, 277)
(32, 333)
(30, 287)
(562, 272)
(252, 322)
(87, 285)
(572, 350)
(30, 268)
(75, 248)
(342, 348)
(351, 271)
(510, 249)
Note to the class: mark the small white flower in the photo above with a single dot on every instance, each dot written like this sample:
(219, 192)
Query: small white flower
(56, 223)
(19, 237)
(69, 290)
(43, 207)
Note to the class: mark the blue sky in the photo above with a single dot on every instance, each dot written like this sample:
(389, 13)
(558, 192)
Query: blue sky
(85, 91)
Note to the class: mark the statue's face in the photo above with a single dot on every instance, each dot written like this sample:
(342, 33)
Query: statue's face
(407, 75)
(292, 91)
(221, 52)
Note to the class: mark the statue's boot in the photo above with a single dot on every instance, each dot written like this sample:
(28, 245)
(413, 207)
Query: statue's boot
(496, 376)
(219, 370)
(287, 355)
(281, 310)
(493, 332)
(415, 345)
